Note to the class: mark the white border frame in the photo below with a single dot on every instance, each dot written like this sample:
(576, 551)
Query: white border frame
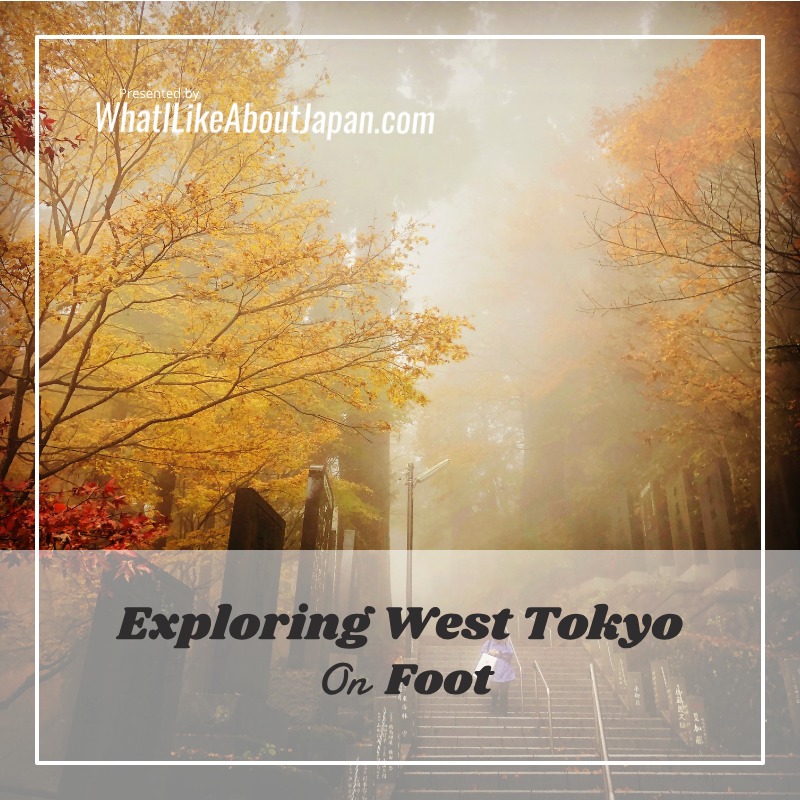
(418, 37)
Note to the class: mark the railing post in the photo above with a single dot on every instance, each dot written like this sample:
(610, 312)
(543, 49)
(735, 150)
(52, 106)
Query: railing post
(538, 670)
(601, 736)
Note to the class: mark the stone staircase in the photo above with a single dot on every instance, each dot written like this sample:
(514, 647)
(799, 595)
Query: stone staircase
(465, 728)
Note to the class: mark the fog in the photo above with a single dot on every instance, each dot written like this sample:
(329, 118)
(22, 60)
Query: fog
(505, 186)
(556, 288)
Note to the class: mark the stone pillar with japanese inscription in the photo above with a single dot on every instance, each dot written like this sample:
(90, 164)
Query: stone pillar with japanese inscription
(659, 672)
(685, 519)
(698, 735)
(249, 583)
(656, 531)
(387, 737)
(621, 674)
(680, 708)
(360, 777)
(112, 721)
(635, 693)
(316, 583)
(716, 505)
(408, 715)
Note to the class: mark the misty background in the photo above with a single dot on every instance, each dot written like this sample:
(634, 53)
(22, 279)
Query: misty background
(504, 185)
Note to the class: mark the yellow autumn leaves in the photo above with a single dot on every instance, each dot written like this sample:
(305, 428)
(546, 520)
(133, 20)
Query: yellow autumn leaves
(199, 316)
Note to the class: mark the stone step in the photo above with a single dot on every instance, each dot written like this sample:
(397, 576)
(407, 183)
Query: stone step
(531, 752)
(506, 794)
(707, 794)
(562, 696)
(492, 726)
(552, 673)
(531, 794)
(645, 780)
(504, 754)
(470, 778)
(521, 741)
(569, 713)
(482, 705)
(778, 780)
(479, 716)
(463, 727)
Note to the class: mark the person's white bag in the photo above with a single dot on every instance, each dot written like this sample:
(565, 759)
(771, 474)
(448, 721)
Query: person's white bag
(485, 661)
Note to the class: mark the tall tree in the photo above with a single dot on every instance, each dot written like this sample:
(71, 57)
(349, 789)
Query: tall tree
(197, 316)
(682, 219)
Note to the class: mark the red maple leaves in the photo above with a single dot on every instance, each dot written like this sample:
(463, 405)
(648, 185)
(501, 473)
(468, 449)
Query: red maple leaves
(89, 517)
(17, 124)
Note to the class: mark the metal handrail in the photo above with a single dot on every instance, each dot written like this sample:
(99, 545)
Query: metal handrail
(601, 736)
(549, 704)
(521, 680)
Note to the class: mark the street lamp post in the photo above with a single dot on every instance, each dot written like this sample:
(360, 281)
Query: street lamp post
(411, 482)
(409, 529)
